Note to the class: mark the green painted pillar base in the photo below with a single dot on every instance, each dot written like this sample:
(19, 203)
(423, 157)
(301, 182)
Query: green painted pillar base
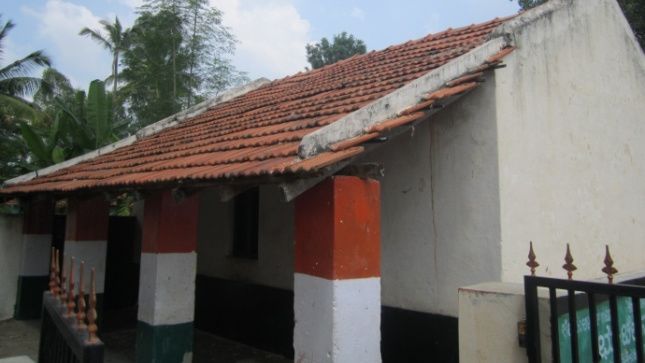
(164, 343)
(29, 298)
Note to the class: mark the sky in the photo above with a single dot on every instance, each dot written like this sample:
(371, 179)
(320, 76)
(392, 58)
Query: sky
(271, 34)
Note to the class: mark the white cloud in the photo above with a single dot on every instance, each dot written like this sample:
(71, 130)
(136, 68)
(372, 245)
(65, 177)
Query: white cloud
(133, 4)
(357, 13)
(77, 57)
(272, 36)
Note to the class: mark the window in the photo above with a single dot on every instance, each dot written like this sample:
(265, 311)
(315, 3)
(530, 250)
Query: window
(245, 228)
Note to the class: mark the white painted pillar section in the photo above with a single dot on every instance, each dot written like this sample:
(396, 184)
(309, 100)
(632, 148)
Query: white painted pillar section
(10, 233)
(35, 246)
(35, 254)
(86, 233)
(337, 320)
(337, 283)
(167, 288)
(167, 279)
(93, 253)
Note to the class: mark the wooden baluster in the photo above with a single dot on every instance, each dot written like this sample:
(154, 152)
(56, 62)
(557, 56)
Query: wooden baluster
(80, 310)
(52, 273)
(91, 313)
(70, 291)
(60, 270)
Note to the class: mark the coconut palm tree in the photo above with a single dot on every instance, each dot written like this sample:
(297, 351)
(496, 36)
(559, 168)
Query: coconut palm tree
(16, 81)
(114, 41)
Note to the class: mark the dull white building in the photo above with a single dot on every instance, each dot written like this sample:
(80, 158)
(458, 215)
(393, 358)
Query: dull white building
(489, 136)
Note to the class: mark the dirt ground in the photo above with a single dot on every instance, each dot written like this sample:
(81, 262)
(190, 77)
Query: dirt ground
(20, 338)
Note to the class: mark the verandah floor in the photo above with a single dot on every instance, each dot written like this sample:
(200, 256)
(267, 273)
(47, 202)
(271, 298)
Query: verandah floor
(19, 338)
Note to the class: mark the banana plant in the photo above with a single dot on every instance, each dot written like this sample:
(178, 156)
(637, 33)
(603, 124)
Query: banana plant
(45, 150)
(78, 126)
(92, 123)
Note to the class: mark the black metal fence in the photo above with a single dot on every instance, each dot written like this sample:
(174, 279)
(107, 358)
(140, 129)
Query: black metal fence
(60, 341)
(589, 321)
(65, 337)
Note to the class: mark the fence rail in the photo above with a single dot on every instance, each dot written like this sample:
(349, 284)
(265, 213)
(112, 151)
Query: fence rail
(64, 336)
(586, 298)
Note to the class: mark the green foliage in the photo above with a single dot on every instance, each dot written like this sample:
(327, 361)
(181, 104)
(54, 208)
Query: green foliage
(79, 124)
(527, 4)
(116, 41)
(177, 56)
(16, 83)
(44, 151)
(155, 67)
(342, 47)
(89, 120)
(634, 11)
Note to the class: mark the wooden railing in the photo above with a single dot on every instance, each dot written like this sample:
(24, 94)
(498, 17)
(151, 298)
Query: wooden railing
(65, 337)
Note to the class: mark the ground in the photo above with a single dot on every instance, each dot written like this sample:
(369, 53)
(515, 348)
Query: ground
(20, 338)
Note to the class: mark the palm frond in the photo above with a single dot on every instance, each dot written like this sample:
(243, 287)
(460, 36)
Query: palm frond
(19, 86)
(25, 66)
(96, 36)
(18, 109)
(3, 33)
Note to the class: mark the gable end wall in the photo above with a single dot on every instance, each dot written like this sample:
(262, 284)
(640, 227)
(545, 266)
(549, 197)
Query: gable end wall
(571, 125)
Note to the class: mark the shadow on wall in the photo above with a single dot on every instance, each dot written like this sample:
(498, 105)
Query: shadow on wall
(262, 317)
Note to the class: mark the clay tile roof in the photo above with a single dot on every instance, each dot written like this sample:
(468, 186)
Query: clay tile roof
(258, 133)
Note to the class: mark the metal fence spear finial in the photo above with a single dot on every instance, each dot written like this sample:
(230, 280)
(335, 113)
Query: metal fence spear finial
(70, 291)
(80, 308)
(569, 266)
(532, 263)
(609, 266)
(91, 312)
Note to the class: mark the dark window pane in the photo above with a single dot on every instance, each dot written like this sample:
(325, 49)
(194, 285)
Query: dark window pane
(245, 232)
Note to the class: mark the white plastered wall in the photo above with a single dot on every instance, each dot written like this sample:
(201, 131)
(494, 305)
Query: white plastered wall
(274, 266)
(10, 247)
(449, 161)
(571, 124)
(440, 207)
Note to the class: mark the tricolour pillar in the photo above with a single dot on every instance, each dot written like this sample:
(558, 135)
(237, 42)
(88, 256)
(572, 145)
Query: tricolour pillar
(33, 273)
(86, 234)
(167, 279)
(337, 285)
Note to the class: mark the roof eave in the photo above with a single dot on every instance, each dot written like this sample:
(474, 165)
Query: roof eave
(151, 129)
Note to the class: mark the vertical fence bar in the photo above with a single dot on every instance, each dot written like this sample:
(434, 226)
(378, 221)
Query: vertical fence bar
(638, 328)
(593, 320)
(555, 341)
(615, 331)
(532, 320)
(573, 325)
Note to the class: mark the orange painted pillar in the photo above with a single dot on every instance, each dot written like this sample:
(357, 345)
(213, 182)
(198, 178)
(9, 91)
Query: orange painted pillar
(167, 279)
(337, 287)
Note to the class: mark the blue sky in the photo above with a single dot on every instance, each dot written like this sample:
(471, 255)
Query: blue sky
(272, 34)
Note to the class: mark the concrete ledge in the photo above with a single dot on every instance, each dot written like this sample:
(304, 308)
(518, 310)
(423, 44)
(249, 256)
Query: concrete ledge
(488, 317)
(20, 359)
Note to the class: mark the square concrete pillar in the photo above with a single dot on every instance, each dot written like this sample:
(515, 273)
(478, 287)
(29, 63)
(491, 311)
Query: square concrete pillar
(167, 279)
(33, 273)
(86, 234)
(337, 285)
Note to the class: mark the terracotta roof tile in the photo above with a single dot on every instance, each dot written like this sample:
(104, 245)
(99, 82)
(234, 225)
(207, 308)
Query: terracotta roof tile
(258, 133)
